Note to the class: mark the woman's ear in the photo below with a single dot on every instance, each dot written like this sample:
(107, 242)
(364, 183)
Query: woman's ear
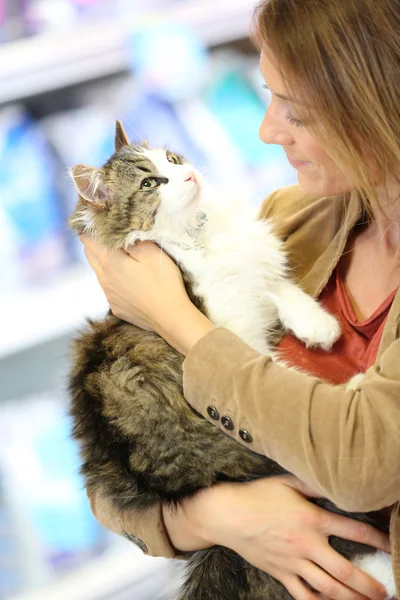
(121, 138)
(89, 183)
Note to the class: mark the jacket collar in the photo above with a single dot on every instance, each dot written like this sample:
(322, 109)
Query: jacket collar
(346, 213)
(314, 281)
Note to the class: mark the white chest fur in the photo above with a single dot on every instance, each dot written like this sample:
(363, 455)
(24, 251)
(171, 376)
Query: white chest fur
(240, 270)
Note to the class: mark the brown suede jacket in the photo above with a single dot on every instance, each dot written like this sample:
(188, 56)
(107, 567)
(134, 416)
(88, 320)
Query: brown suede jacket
(344, 444)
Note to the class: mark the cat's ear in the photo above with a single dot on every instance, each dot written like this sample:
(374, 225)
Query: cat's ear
(89, 183)
(121, 138)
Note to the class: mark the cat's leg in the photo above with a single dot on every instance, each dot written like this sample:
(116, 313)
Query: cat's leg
(301, 314)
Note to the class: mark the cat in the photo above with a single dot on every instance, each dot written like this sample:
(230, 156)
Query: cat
(140, 441)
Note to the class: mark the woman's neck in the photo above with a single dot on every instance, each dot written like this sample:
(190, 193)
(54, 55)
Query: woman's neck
(370, 265)
(385, 225)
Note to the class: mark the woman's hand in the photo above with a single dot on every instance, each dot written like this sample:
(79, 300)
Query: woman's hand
(141, 286)
(274, 527)
(144, 287)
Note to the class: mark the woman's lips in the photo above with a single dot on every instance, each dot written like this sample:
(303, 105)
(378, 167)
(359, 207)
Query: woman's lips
(297, 163)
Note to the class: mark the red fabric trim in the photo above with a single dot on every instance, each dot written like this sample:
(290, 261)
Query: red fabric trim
(357, 348)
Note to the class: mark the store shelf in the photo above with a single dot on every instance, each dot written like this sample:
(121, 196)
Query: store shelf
(48, 62)
(57, 308)
(106, 577)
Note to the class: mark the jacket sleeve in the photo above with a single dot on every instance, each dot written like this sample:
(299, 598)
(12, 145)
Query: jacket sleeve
(145, 528)
(344, 444)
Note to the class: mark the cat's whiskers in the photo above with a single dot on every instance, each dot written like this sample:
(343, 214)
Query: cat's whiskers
(129, 497)
(205, 169)
(121, 157)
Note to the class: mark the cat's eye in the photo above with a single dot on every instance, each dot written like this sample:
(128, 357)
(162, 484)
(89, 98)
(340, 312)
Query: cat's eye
(173, 159)
(150, 183)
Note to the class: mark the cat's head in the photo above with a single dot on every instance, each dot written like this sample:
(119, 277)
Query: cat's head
(140, 193)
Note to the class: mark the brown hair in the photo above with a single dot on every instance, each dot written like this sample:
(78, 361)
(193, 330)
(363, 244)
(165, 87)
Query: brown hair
(342, 59)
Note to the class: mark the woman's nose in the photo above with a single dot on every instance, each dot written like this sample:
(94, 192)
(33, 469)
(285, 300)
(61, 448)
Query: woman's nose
(274, 129)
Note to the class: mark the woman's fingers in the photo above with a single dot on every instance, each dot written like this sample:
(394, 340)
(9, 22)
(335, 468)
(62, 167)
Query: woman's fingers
(144, 249)
(96, 266)
(99, 253)
(90, 242)
(95, 254)
(333, 587)
(101, 258)
(94, 246)
(299, 590)
(356, 531)
(339, 569)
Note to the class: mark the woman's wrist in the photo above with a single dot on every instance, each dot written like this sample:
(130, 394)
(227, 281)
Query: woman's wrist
(183, 529)
(195, 524)
(183, 331)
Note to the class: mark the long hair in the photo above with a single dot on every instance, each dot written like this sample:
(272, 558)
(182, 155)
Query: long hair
(341, 59)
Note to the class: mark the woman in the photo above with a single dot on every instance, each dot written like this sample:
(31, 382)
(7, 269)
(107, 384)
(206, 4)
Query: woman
(333, 69)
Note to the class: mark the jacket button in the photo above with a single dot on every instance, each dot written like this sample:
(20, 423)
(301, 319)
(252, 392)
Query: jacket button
(227, 423)
(213, 413)
(139, 543)
(246, 437)
(142, 546)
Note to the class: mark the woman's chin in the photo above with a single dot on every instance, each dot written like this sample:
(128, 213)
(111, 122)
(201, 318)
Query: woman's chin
(319, 186)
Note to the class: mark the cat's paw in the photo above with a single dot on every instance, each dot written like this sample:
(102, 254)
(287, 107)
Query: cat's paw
(354, 382)
(379, 565)
(318, 330)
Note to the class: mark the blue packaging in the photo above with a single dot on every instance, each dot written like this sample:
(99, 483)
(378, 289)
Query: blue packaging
(50, 527)
(29, 198)
(153, 119)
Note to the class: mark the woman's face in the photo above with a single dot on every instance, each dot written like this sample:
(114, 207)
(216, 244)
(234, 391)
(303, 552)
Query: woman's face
(317, 172)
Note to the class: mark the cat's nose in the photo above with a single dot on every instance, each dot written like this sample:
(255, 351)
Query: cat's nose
(191, 177)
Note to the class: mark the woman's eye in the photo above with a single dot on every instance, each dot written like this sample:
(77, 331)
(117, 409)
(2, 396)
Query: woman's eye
(289, 117)
(172, 159)
(149, 183)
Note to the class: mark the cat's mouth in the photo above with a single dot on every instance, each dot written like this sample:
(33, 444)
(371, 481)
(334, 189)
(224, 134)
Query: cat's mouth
(194, 192)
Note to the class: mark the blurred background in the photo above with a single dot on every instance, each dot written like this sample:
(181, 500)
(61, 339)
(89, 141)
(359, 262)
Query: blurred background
(182, 73)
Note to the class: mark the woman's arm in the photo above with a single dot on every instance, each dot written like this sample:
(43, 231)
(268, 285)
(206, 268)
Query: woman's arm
(268, 522)
(223, 515)
(145, 527)
(345, 445)
(148, 291)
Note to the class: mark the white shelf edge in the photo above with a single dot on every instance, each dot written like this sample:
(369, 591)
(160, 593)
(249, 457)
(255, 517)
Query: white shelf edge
(114, 571)
(37, 315)
(53, 61)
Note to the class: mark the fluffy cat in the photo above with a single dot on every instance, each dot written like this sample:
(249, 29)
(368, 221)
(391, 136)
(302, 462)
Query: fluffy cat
(140, 441)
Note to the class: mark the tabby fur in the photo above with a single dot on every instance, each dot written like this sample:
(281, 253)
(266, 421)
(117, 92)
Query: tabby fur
(141, 443)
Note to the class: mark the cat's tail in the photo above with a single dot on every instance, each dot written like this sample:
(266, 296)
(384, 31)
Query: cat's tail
(220, 574)
(216, 573)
